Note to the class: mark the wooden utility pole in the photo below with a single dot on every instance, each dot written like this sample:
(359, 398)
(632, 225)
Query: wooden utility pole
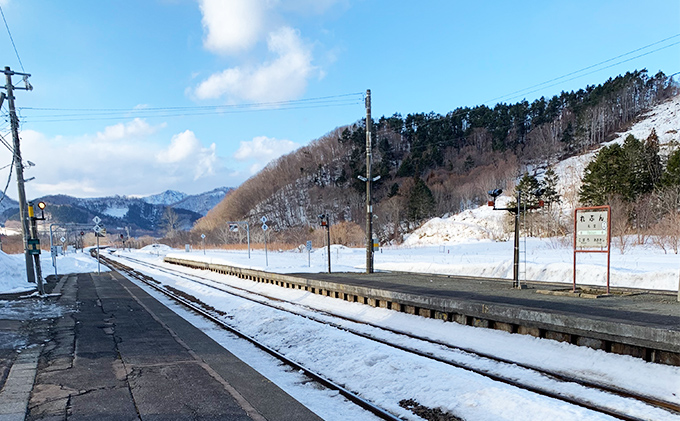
(23, 209)
(369, 182)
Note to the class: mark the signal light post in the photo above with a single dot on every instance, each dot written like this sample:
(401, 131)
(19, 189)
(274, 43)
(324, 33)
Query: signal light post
(34, 241)
(323, 221)
(515, 210)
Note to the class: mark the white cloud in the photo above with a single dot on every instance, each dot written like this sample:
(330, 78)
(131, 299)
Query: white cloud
(187, 153)
(136, 128)
(262, 150)
(84, 166)
(281, 79)
(182, 146)
(232, 26)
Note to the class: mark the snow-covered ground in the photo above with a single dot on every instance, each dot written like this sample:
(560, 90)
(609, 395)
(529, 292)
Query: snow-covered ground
(13, 269)
(386, 376)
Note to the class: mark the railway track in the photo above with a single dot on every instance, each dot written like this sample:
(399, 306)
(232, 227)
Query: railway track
(462, 363)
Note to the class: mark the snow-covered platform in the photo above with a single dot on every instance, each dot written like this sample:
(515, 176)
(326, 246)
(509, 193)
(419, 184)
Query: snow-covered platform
(117, 353)
(644, 325)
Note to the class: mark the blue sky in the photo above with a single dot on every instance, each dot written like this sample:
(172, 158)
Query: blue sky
(88, 58)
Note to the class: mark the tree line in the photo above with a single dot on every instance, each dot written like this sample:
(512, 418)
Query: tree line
(432, 164)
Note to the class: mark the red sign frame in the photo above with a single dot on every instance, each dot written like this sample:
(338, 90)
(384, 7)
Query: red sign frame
(609, 238)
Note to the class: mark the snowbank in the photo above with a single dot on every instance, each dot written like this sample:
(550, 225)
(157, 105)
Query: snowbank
(13, 269)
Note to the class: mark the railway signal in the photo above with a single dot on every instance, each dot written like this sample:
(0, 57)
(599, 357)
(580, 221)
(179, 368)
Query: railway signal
(516, 210)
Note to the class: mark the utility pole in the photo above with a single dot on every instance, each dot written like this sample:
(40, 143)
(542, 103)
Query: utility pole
(369, 182)
(14, 123)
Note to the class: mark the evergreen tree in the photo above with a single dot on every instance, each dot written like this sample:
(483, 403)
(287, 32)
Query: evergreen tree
(549, 187)
(629, 171)
(606, 175)
(528, 187)
(671, 176)
(421, 203)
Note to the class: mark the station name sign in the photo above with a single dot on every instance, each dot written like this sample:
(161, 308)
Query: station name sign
(592, 229)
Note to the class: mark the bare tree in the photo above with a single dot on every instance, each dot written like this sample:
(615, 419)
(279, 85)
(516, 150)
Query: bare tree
(170, 222)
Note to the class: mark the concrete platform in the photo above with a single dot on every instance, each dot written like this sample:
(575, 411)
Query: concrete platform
(641, 325)
(118, 354)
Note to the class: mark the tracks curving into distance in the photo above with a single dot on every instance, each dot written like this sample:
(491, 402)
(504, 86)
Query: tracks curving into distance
(323, 317)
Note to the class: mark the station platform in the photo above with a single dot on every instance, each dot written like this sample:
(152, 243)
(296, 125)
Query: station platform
(636, 323)
(116, 353)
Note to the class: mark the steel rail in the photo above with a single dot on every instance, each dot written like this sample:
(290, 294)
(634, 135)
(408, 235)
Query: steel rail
(669, 406)
(349, 395)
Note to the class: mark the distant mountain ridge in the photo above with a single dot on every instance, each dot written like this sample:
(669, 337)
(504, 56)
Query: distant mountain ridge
(199, 203)
(144, 214)
(167, 198)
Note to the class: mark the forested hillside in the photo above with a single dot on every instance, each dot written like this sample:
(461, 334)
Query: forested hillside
(431, 164)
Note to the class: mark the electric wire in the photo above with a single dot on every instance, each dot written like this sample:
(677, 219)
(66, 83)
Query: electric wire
(12, 39)
(588, 68)
(7, 144)
(597, 70)
(75, 114)
(9, 178)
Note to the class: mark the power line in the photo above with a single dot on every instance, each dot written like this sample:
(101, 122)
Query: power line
(9, 178)
(12, 39)
(118, 113)
(510, 95)
(597, 70)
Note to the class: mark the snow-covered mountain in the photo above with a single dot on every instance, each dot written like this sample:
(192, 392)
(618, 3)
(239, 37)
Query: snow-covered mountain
(7, 205)
(145, 214)
(167, 198)
(200, 203)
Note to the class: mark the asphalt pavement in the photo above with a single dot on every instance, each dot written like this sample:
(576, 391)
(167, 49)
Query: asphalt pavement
(116, 353)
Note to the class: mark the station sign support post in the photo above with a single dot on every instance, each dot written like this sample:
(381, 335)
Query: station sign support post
(592, 234)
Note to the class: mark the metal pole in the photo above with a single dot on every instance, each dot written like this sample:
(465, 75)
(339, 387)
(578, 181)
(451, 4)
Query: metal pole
(573, 289)
(515, 271)
(34, 235)
(266, 257)
(96, 234)
(328, 241)
(369, 182)
(19, 173)
(248, 235)
(54, 257)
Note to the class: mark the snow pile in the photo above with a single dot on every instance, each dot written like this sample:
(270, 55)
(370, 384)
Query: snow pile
(13, 269)
(13, 274)
(482, 223)
(156, 249)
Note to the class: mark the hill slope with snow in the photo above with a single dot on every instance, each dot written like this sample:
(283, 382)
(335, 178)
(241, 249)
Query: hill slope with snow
(485, 224)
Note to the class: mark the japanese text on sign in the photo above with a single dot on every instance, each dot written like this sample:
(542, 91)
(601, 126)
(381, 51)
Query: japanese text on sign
(591, 230)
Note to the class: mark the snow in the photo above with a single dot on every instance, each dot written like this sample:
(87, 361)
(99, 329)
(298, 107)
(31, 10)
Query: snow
(116, 212)
(541, 259)
(13, 269)
(385, 375)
